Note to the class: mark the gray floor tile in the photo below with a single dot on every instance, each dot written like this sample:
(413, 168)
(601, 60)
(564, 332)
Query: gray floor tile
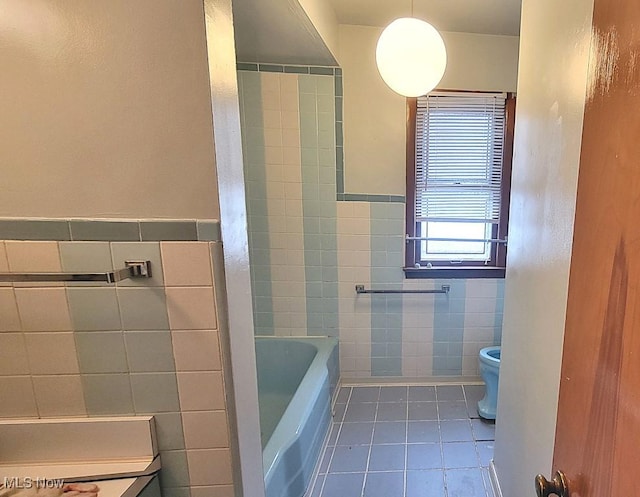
(364, 394)
(422, 394)
(473, 393)
(392, 412)
(343, 485)
(483, 430)
(390, 432)
(343, 395)
(326, 459)
(349, 459)
(464, 483)
(449, 392)
(458, 430)
(390, 484)
(425, 483)
(338, 413)
(446, 454)
(359, 412)
(423, 411)
(387, 458)
(423, 431)
(317, 486)
(472, 410)
(333, 434)
(485, 452)
(393, 394)
(460, 455)
(424, 456)
(452, 410)
(355, 434)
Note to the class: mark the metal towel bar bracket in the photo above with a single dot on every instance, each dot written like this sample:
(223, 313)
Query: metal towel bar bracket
(132, 269)
(443, 289)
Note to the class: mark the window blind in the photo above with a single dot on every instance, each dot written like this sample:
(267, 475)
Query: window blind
(459, 147)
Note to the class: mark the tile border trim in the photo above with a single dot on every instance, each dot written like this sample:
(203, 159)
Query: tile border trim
(120, 230)
(289, 68)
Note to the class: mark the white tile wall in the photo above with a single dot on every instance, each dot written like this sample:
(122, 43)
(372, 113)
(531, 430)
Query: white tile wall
(354, 261)
(281, 130)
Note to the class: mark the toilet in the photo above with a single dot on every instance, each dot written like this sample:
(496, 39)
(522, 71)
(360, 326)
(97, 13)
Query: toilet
(489, 369)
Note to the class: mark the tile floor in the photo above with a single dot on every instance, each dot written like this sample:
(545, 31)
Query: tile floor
(399, 441)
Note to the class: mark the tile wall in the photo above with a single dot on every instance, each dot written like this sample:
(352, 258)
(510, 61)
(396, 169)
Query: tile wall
(137, 347)
(311, 243)
(289, 145)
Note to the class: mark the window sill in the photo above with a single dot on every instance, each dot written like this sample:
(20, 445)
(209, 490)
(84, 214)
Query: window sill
(453, 273)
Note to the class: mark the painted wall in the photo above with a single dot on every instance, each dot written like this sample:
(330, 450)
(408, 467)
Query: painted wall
(324, 20)
(311, 243)
(375, 116)
(138, 347)
(554, 57)
(106, 110)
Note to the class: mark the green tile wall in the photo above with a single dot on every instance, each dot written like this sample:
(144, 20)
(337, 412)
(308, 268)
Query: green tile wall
(316, 107)
(115, 343)
(317, 118)
(387, 244)
(448, 331)
(251, 119)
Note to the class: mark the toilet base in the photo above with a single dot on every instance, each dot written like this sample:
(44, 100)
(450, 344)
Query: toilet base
(487, 409)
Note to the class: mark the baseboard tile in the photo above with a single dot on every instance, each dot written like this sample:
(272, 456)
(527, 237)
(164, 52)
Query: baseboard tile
(495, 484)
(405, 380)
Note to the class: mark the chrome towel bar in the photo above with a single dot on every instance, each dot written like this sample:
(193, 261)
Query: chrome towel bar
(443, 289)
(475, 240)
(132, 269)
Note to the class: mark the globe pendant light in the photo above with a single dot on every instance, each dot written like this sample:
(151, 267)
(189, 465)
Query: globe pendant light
(411, 56)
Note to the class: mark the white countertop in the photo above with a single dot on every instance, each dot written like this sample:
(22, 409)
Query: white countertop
(80, 471)
(121, 458)
(115, 488)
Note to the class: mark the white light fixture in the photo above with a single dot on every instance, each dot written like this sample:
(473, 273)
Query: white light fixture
(411, 56)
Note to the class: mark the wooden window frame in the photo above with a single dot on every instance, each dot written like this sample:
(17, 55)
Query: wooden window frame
(471, 269)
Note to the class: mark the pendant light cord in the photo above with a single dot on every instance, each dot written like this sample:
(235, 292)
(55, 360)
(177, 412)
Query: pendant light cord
(412, 8)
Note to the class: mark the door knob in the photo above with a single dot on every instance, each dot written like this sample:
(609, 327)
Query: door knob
(558, 486)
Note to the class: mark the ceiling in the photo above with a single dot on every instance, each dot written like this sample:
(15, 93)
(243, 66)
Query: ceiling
(496, 17)
(280, 30)
(277, 31)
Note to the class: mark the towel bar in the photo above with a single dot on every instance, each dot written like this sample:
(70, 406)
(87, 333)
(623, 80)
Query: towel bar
(444, 289)
(132, 269)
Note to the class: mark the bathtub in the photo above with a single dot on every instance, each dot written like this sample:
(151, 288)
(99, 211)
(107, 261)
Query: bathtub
(296, 381)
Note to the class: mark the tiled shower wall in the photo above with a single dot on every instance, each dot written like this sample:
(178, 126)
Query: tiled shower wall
(311, 242)
(138, 347)
(290, 169)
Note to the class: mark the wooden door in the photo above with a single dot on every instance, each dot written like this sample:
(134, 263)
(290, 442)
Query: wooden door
(598, 429)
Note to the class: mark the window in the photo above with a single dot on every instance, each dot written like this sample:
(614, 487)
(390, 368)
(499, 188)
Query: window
(459, 148)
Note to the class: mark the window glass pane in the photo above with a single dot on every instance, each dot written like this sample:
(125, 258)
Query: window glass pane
(455, 250)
